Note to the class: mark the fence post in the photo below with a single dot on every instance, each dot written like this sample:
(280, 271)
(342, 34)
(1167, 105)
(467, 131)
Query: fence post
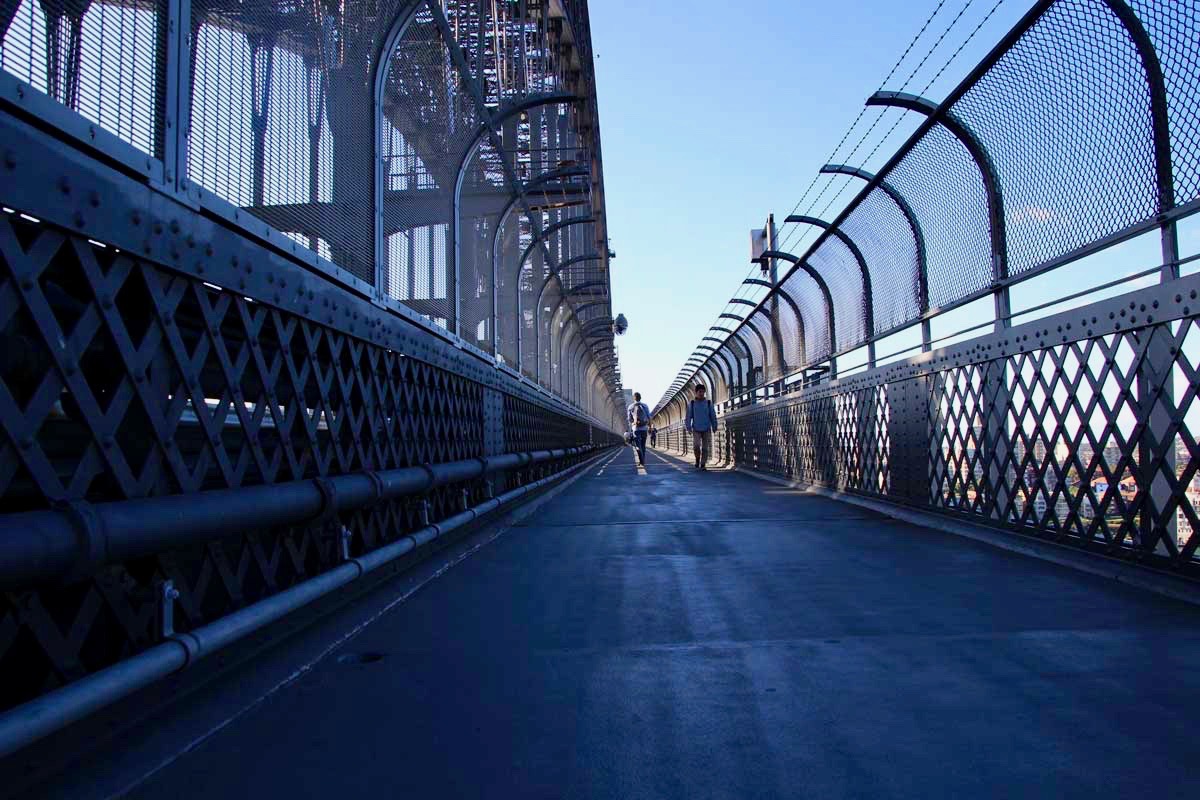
(177, 71)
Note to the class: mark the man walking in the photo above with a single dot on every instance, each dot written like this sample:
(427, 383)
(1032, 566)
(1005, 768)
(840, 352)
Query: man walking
(653, 436)
(701, 421)
(639, 420)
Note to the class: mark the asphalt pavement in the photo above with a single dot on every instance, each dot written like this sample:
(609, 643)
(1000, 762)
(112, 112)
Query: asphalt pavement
(663, 633)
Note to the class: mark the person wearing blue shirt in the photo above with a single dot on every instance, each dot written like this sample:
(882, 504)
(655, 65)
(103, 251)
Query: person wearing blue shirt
(701, 421)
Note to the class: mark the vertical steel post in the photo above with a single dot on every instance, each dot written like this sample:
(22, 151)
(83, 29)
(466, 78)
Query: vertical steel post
(177, 100)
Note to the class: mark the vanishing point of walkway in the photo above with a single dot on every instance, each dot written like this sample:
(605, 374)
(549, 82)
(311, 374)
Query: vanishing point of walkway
(667, 634)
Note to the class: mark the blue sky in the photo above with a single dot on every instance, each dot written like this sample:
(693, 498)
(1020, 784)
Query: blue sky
(715, 116)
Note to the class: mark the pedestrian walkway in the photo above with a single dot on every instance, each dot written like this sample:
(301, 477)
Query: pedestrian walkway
(661, 633)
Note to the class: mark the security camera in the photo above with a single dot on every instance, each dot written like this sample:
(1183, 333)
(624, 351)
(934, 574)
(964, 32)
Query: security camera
(620, 324)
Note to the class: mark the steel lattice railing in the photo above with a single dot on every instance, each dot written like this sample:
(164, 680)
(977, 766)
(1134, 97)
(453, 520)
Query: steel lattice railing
(1074, 428)
(1077, 132)
(215, 280)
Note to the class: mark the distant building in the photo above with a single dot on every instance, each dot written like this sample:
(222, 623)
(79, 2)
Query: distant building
(628, 394)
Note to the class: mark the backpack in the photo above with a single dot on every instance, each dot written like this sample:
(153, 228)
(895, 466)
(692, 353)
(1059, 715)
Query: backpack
(640, 417)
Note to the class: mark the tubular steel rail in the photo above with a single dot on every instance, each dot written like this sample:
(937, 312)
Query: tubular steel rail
(1078, 131)
(177, 651)
(281, 286)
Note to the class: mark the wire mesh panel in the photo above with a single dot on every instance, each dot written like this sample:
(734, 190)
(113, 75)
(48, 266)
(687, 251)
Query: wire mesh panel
(511, 240)
(755, 348)
(507, 52)
(483, 197)
(761, 322)
(801, 287)
(739, 358)
(429, 123)
(104, 60)
(280, 108)
(942, 184)
(843, 275)
(530, 282)
(1174, 29)
(551, 317)
(787, 331)
(881, 231)
(547, 141)
(1069, 132)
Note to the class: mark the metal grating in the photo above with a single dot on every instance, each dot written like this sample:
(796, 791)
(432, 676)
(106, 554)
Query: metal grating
(881, 231)
(509, 246)
(430, 122)
(801, 287)
(1075, 156)
(943, 186)
(483, 197)
(1174, 28)
(101, 59)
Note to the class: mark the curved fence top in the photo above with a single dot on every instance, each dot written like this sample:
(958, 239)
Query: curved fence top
(1078, 130)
